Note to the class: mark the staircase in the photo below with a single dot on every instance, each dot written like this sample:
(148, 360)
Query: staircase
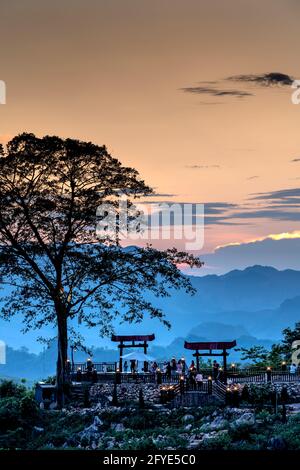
(196, 398)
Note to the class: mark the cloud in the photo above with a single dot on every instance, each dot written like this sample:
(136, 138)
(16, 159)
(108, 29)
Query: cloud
(266, 79)
(266, 213)
(252, 177)
(295, 160)
(161, 195)
(281, 206)
(219, 89)
(201, 167)
(204, 90)
(267, 251)
(281, 194)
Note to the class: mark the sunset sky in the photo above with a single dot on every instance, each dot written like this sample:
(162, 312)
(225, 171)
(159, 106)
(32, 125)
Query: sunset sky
(150, 79)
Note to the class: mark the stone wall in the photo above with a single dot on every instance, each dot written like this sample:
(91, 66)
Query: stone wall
(125, 392)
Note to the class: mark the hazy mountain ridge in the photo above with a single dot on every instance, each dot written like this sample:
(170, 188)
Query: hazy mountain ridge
(261, 300)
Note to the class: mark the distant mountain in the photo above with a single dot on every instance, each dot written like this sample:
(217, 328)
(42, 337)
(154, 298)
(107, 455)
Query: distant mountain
(220, 331)
(254, 288)
(258, 301)
(261, 299)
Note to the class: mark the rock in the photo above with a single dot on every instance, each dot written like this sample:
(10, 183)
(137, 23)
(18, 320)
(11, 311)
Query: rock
(97, 421)
(119, 427)
(188, 418)
(277, 443)
(218, 423)
(194, 444)
(37, 431)
(94, 445)
(110, 444)
(89, 433)
(188, 427)
(245, 419)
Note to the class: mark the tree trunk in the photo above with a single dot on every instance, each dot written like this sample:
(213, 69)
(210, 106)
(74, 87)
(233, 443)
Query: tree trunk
(62, 349)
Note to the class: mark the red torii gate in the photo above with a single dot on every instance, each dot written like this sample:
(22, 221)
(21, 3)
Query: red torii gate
(211, 346)
(123, 343)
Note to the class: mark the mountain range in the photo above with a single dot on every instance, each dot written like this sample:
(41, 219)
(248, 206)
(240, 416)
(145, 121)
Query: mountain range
(257, 301)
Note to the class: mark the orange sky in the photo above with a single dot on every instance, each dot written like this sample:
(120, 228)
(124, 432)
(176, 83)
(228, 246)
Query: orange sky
(111, 71)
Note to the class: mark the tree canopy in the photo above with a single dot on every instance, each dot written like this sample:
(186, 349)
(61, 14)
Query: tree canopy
(50, 256)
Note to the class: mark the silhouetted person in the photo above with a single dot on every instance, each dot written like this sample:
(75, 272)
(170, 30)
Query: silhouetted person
(132, 366)
(192, 378)
(216, 367)
(168, 371)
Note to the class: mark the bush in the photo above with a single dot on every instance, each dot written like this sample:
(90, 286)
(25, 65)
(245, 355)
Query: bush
(8, 388)
(28, 407)
(9, 413)
(218, 443)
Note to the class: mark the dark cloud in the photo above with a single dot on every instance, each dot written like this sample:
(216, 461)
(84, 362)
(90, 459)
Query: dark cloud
(222, 221)
(204, 90)
(201, 167)
(269, 213)
(282, 194)
(266, 79)
(211, 103)
(295, 160)
(161, 195)
(252, 177)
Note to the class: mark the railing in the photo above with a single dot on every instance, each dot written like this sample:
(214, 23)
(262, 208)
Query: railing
(106, 371)
(263, 376)
(101, 367)
(219, 390)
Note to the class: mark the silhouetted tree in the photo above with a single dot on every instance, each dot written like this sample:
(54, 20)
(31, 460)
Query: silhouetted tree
(257, 354)
(50, 256)
(289, 336)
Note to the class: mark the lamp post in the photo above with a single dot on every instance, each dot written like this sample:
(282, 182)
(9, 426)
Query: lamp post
(158, 376)
(209, 385)
(269, 374)
(236, 397)
(183, 365)
(228, 396)
(118, 376)
(181, 385)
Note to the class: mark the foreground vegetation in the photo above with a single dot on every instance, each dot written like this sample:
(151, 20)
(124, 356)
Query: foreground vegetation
(24, 426)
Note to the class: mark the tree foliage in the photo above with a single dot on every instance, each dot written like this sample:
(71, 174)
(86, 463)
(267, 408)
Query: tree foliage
(50, 257)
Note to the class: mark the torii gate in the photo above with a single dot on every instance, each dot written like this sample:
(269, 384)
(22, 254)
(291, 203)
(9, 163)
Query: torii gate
(122, 340)
(211, 346)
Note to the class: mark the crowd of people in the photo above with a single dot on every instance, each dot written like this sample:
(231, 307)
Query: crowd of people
(176, 368)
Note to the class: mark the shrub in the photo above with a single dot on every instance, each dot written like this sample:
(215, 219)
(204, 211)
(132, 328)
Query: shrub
(221, 442)
(28, 407)
(9, 388)
(9, 413)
